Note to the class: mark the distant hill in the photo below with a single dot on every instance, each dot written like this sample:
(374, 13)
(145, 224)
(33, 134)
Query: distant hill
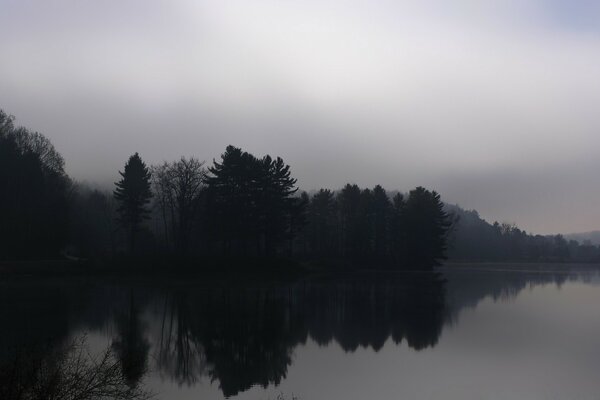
(475, 239)
(593, 237)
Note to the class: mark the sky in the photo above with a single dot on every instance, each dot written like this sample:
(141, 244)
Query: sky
(494, 104)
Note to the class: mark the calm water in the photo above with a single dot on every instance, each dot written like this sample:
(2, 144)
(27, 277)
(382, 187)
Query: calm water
(478, 332)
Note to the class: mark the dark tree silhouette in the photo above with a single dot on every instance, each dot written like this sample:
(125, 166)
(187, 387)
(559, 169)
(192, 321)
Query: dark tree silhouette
(130, 345)
(33, 196)
(398, 230)
(349, 200)
(427, 225)
(231, 187)
(275, 201)
(251, 200)
(248, 207)
(382, 209)
(133, 194)
(298, 219)
(322, 226)
(179, 188)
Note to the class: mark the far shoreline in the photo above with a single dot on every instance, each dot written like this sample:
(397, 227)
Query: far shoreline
(276, 269)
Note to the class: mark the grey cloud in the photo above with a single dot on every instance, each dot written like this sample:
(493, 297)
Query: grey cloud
(492, 103)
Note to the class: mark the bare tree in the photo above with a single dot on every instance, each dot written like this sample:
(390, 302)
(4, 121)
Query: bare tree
(179, 187)
(70, 373)
(40, 145)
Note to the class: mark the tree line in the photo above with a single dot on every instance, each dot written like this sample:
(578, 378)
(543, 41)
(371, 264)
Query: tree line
(248, 206)
(240, 206)
(34, 191)
(479, 240)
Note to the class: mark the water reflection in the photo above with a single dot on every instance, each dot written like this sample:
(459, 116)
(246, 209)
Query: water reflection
(242, 335)
(130, 343)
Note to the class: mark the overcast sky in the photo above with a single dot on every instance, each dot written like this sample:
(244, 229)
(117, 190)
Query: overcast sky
(495, 104)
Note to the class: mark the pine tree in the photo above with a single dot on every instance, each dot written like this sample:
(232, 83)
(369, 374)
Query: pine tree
(427, 224)
(398, 230)
(349, 199)
(277, 202)
(232, 194)
(133, 194)
(381, 221)
(251, 201)
(323, 224)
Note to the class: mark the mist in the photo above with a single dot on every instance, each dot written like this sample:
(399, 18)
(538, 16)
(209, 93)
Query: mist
(493, 105)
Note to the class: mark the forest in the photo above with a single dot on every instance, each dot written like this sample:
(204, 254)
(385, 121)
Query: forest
(239, 207)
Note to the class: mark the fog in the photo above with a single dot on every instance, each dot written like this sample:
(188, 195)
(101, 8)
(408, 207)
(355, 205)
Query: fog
(493, 104)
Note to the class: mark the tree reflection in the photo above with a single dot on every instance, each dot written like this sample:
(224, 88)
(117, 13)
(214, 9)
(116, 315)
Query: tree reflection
(131, 345)
(180, 354)
(244, 334)
(243, 337)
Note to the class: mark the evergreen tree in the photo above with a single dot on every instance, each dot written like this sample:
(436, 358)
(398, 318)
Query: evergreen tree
(232, 198)
(322, 223)
(276, 201)
(381, 221)
(398, 230)
(349, 200)
(298, 220)
(365, 234)
(251, 200)
(427, 224)
(133, 194)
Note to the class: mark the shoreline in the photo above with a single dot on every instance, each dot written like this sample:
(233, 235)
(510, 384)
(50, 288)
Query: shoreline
(249, 269)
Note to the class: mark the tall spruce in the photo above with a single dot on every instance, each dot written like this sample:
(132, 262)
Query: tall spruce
(381, 221)
(349, 199)
(133, 193)
(398, 230)
(427, 224)
(322, 230)
(232, 193)
(277, 202)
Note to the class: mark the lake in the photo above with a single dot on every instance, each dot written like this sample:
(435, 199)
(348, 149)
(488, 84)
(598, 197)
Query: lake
(466, 332)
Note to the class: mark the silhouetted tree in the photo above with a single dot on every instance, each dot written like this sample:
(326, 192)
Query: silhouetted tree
(275, 200)
(179, 188)
(298, 219)
(133, 194)
(427, 224)
(366, 226)
(34, 194)
(382, 209)
(349, 200)
(322, 223)
(130, 345)
(250, 200)
(398, 230)
(232, 186)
